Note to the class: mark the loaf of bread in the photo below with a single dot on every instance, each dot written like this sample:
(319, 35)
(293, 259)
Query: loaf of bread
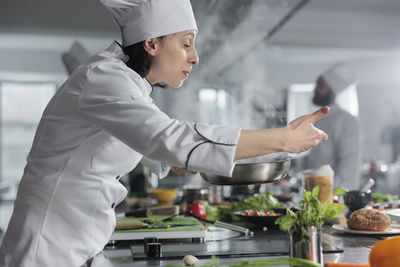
(368, 220)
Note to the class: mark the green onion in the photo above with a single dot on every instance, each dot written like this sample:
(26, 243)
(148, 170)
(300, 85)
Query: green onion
(282, 261)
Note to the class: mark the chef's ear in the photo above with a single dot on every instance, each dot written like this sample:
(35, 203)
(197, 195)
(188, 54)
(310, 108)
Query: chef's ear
(151, 46)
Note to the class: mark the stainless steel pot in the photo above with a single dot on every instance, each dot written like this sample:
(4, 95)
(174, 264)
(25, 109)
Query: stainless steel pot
(251, 173)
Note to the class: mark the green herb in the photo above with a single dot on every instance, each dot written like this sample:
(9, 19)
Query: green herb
(153, 221)
(339, 191)
(217, 212)
(257, 202)
(282, 261)
(312, 213)
(381, 198)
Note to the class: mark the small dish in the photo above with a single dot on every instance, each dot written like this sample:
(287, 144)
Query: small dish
(268, 220)
(344, 229)
(163, 194)
(393, 213)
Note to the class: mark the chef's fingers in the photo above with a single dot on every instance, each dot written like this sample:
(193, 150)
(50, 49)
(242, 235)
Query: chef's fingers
(322, 135)
(318, 138)
(319, 114)
(297, 122)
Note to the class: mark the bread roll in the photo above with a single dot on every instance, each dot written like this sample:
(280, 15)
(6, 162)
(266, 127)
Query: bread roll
(369, 220)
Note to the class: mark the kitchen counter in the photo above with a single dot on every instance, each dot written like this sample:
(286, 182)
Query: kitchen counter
(340, 247)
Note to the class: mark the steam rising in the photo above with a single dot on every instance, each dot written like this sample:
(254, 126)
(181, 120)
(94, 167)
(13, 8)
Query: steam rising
(232, 48)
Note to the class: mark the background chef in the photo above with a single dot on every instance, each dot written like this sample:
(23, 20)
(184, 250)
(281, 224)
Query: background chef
(343, 149)
(100, 123)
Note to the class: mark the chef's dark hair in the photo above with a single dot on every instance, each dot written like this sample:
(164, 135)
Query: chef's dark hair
(139, 60)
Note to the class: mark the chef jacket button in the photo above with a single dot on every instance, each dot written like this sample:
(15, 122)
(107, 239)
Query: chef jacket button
(112, 205)
(117, 178)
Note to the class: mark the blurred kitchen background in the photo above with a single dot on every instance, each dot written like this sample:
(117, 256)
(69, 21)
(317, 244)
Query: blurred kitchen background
(259, 60)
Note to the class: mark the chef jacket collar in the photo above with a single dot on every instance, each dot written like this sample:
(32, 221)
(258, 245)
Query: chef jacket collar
(149, 87)
(116, 49)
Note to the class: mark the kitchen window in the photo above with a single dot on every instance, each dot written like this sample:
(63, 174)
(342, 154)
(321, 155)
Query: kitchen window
(300, 100)
(21, 107)
(217, 106)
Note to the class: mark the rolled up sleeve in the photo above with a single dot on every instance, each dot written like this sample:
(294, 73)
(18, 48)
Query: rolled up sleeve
(114, 102)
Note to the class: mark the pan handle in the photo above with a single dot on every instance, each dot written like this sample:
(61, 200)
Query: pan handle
(229, 226)
(233, 227)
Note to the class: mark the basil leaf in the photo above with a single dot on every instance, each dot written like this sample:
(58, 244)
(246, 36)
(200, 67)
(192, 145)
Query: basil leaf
(315, 192)
(285, 222)
(333, 210)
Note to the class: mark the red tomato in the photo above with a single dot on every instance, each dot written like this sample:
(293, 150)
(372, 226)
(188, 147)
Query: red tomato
(256, 213)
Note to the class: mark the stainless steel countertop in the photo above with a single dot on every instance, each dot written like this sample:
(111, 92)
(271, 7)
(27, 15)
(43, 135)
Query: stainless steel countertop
(356, 250)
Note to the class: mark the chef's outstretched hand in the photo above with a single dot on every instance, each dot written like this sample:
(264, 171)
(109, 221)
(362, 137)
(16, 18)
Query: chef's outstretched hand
(179, 170)
(301, 133)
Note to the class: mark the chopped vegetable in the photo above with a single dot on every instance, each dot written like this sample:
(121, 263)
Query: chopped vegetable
(257, 202)
(264, 212)
(282, 261)
(153, 221)
(217, 213)
(381, 198)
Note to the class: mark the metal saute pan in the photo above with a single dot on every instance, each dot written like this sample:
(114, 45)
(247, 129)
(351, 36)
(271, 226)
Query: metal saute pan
(251, 173)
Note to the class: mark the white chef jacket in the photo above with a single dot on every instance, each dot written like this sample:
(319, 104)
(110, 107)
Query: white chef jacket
(159, 169)
(95, 129)
(342, 151)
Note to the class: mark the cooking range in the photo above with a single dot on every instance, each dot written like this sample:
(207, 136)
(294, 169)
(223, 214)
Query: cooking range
(222, 243)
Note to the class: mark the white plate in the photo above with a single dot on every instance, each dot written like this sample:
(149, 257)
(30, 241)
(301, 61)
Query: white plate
(343, 228)
(393, 213)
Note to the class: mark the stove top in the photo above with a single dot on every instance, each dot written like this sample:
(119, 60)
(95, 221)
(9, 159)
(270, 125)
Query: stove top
(225, 243)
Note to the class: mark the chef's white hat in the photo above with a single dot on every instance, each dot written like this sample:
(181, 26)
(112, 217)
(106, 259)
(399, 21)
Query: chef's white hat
(338, 78)
(144, 19)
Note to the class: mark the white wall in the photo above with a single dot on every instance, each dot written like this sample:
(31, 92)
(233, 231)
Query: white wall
(37, 57)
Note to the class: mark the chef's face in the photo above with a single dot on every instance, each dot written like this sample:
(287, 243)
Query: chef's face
(323, 95)
(173, 58)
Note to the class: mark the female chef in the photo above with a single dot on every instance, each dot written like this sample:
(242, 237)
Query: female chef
(102, 121)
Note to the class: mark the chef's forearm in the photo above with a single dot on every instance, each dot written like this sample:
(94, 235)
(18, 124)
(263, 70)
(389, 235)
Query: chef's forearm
(253, 143)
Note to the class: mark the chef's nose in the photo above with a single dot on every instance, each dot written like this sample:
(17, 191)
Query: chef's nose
(194, 59)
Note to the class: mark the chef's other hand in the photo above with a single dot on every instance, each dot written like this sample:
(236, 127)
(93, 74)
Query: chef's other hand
(178, 170)
(301, 133)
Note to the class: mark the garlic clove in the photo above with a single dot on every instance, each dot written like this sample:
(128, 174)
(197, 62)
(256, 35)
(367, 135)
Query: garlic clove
(190, 260)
